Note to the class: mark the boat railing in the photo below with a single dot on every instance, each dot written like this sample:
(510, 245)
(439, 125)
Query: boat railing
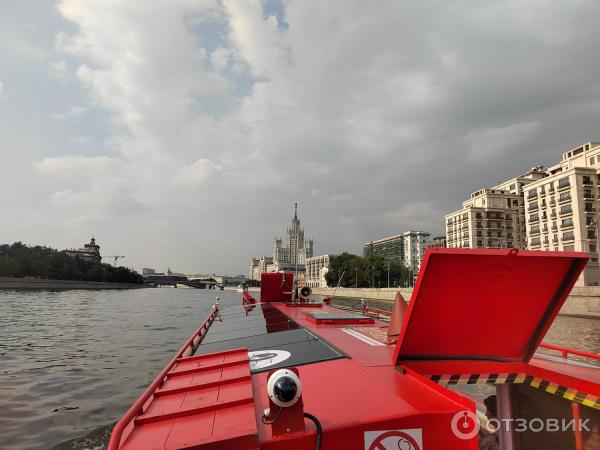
(367, 310)
(565, 352)
(137, 408)
(370, 311)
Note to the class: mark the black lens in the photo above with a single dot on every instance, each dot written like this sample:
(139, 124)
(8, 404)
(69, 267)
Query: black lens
(285, 389)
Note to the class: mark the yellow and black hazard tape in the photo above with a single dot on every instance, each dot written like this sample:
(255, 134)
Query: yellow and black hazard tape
(480, 378)
(562, 391)
(520, 378)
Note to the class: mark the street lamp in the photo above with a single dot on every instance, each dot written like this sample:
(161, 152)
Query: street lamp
(373, 276)
(388, 274)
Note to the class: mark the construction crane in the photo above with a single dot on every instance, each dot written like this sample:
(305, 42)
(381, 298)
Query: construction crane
(116, 257)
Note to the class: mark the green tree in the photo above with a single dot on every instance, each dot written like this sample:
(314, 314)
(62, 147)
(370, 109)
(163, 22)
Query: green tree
(18, 260)
(363, 272)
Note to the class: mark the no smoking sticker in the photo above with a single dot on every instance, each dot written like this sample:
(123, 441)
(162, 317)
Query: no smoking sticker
(410, 439)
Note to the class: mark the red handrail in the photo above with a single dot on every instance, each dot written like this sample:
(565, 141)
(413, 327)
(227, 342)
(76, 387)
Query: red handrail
(568, 351)
(137, 407)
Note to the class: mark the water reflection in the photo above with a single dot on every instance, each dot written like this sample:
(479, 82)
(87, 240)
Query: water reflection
(72, 361)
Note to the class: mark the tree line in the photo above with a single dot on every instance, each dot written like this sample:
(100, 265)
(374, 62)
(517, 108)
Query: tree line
(19, 260)
(364, 272)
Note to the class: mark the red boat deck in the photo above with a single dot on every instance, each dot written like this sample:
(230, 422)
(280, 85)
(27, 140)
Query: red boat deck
(205, 402)
(365, 392)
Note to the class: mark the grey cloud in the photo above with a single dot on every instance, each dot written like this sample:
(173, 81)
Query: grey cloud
(376, 118)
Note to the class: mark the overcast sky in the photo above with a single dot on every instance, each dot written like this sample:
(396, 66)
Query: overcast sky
(181, 132)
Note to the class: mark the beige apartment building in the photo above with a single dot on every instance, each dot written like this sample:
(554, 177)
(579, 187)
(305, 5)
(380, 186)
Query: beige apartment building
(316, 269)
(563, 208)
(492, 217)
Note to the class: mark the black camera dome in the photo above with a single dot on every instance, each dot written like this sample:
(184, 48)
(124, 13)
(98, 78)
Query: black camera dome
(285, 389)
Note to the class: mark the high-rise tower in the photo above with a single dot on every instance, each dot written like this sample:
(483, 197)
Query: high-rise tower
(297, 248)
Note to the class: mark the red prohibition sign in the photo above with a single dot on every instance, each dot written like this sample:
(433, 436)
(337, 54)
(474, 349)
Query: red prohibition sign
(378, 442)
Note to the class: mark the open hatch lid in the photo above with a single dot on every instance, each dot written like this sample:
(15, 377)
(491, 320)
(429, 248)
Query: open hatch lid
(485, 304)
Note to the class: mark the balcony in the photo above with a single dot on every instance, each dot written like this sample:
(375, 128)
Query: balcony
(568, 237)
(563, 184)
(587, 181)
(533, 208)
(588, 195)
(590, 210)
(567, 223)
(532, 194)
(565, 197)
(535, 230)
(565, 210)
(536, 241)
(535, 219)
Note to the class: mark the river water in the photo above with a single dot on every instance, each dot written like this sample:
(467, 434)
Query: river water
(71, 362)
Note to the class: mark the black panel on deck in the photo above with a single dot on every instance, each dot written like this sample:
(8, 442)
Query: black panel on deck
(265, 330)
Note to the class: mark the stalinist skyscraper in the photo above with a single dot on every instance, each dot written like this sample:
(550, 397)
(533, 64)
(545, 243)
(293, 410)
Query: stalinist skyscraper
(293, 256)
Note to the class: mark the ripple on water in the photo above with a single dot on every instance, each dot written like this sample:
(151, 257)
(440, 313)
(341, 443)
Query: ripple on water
(91, 350)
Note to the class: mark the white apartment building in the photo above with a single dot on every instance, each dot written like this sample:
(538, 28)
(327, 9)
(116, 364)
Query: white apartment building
(492, 217)
(316, 269)
(258, 266)
(563, 208)
(415, 243)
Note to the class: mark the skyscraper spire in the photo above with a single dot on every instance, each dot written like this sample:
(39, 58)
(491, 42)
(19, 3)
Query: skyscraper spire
(295, 210)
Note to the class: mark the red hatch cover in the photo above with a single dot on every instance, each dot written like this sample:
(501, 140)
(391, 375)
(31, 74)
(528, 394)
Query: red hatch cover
(205, 402)
(485, 304)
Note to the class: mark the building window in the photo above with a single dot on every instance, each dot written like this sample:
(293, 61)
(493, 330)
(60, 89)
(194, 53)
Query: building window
(566, 223)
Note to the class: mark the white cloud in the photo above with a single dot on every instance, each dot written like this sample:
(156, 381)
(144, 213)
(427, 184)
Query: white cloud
(74, 111)
(84, 165)
(196, 174)
(59, 70)
(80, 140)
(215, 103)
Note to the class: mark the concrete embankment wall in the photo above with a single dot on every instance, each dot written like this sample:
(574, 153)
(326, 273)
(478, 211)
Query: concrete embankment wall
(583, 301)
(34, 283)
